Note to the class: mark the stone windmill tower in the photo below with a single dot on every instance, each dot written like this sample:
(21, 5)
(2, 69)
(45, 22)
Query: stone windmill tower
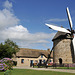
(63, 46)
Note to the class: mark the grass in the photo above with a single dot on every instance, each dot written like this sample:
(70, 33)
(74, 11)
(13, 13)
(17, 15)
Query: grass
(35, 72)
(64, 68)
(56, 67)
(1, 73)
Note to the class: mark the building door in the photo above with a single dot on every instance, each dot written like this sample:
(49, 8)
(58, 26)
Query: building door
(40, 61)
(60, 61)
(31, 63)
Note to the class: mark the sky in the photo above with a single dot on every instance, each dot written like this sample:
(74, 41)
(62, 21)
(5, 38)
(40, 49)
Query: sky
(23, 21)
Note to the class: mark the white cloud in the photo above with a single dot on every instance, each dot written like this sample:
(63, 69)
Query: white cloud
(56, 20)
(7, 4)
(21, 34)
(7, 18)
(17, 28)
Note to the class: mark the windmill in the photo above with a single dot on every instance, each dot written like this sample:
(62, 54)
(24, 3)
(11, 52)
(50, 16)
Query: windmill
(64, 50)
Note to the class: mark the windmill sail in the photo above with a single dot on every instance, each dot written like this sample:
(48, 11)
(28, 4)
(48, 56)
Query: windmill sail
(69, 18)
(58, 28)
(73, 41)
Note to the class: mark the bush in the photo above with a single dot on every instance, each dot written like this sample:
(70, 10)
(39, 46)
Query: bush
(3, 67)
(5, 64)
(70, 65)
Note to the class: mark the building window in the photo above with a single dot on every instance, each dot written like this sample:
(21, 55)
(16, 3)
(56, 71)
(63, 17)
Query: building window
(44, 61)
(18, 57)
(36, 61)
(22, 60)
(41, 56)
(50, 60)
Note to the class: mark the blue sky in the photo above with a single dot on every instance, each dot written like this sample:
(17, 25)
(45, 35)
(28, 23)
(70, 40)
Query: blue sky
(24, 21)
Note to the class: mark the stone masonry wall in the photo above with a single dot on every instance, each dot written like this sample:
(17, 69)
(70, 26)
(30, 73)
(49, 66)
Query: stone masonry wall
(62, 49)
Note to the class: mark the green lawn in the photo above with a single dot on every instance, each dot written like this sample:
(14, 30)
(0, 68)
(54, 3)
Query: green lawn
(64, 68)
(35, 72)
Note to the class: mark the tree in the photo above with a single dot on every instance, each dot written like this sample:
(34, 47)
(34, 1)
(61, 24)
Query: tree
(8, 49)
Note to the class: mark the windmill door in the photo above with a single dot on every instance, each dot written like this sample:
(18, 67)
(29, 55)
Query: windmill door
(60, 61)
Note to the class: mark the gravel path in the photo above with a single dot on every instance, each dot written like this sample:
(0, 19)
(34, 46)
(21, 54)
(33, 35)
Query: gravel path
(48, 69)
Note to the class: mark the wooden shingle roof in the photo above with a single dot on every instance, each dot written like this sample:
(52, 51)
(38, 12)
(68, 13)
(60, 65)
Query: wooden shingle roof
(31, 53)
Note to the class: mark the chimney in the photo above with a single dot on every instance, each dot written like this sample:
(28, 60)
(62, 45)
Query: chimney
(48, 49)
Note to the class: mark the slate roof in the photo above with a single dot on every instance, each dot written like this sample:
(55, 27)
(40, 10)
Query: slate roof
(32, 53)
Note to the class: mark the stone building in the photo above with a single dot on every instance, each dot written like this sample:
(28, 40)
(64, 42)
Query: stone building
(26, 57)
(62, 48)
